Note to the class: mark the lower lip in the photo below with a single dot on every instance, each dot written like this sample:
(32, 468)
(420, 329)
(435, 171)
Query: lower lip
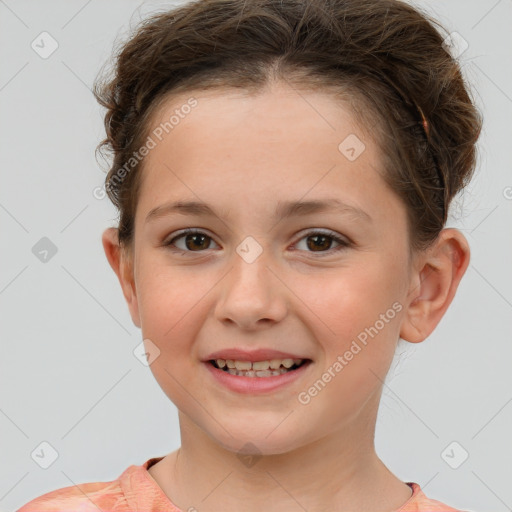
(256, 384)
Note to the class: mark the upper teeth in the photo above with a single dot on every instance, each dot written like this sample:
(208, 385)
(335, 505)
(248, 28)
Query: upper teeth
(257, 365)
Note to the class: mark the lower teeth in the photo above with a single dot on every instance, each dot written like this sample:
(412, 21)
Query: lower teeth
(258, 373)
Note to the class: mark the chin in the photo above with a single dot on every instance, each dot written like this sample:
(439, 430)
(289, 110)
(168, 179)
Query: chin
(255, 440)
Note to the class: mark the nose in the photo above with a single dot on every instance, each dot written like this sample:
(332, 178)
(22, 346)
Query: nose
(251, 296)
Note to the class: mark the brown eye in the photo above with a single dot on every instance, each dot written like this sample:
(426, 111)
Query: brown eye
(320, 242)
(194, 241)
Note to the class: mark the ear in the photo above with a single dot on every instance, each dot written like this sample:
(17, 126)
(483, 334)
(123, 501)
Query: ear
(121, 262)
(433, 286)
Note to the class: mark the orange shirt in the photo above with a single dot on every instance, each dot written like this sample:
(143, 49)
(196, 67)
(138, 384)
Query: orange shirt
(136, 490)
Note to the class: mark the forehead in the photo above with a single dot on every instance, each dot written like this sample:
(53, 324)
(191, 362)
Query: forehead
(277, 109)
(227, 147)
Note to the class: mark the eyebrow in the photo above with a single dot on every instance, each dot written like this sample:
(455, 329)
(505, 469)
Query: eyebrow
(283, 210)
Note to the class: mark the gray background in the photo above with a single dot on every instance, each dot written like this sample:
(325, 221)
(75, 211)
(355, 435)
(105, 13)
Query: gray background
(68, 373)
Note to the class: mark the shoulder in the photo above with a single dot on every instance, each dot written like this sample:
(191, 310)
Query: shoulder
(87, 497)
(419, 502)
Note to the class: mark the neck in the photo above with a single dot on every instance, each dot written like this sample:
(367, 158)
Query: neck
(340, 471)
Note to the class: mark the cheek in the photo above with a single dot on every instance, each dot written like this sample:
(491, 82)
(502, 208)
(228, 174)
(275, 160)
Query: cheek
(169, 300)
(356, 325)
(344, 300)
(169, 305)
(353, 311)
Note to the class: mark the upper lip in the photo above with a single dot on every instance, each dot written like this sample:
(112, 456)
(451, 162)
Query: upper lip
(261, 354)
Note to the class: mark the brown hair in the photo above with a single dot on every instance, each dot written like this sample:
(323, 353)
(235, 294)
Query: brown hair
(385, 56)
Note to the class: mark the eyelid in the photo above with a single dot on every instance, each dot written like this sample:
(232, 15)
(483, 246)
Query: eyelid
(343, 241)
(323, 231)
(183, 232)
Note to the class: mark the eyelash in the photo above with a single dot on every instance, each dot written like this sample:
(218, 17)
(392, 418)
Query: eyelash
(344, 244)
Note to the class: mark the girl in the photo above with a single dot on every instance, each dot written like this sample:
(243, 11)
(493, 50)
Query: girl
(283, 171)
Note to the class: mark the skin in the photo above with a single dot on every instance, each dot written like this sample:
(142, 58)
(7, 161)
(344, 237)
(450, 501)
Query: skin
(242, 154)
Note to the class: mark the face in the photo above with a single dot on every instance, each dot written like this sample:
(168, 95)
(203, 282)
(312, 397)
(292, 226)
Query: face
(325, 285)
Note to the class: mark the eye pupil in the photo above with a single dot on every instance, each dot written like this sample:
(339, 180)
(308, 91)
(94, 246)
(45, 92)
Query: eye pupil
(196, 236)
(316, 245)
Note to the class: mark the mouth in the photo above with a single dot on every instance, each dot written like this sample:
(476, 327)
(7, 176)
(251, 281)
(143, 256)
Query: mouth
(258, 369)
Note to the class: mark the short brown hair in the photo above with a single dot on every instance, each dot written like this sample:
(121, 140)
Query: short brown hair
(386, 56)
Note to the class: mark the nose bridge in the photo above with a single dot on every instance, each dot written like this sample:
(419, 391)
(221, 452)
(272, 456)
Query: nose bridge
(250, 274)
(251, 291)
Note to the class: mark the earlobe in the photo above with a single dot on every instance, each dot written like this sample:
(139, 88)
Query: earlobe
(123, 268)
(434, 286)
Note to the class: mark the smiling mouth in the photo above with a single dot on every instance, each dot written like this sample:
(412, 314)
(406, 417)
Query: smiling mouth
(258, 368)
